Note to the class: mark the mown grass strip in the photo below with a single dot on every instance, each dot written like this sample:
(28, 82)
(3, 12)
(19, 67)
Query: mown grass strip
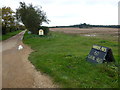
(8, 35)
(63, 57)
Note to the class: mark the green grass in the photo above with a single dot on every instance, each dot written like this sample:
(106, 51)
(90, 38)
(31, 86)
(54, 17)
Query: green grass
(63, 57)
(8, 35)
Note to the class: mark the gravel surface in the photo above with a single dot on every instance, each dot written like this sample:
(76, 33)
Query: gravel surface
(17, 71)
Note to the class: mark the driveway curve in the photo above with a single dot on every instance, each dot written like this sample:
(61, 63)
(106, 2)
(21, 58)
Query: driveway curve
(17, 71)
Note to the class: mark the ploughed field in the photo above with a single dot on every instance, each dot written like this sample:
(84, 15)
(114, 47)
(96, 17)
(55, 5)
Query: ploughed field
(105, 33)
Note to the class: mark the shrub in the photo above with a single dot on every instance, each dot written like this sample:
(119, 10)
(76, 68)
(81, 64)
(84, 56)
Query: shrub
(12, 28)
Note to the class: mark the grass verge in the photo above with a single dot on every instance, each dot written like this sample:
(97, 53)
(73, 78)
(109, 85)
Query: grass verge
(63, 57)
(8, 35)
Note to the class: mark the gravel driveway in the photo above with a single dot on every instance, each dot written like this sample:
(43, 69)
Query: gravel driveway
(17, 71)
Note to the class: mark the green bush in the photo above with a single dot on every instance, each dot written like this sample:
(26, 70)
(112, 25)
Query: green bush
(12, 28)
(45, 29)
(21, 27)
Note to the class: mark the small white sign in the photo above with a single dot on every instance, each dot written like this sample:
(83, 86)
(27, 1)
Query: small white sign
(20, 47)
(41, 32)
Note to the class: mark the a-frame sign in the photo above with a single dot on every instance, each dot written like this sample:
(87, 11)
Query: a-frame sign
(100, 54)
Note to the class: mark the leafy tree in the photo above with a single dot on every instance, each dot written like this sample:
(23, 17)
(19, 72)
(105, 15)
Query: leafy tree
(32, 17)
(7, 19)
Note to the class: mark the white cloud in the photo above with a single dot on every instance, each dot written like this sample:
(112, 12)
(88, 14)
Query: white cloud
(68, 12)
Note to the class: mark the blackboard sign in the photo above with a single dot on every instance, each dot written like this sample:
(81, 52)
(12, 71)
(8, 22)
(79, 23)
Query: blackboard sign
(100, 54)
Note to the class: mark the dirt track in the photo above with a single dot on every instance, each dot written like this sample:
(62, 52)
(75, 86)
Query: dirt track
(17, 71)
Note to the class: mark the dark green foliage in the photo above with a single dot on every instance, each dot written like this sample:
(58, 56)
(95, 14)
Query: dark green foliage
(21, 27)
(45, 29)
(32, 17)
(3, 30)
(13, 28)
(84, 25)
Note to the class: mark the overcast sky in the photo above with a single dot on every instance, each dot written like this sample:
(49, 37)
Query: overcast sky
(70, 12)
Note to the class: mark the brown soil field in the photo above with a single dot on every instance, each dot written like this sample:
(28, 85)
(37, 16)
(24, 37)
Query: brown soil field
(105, 33)
(87, 30)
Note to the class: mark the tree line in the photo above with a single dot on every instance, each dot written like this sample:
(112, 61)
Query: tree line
(9, 22)
(84, 25)
(30, 16)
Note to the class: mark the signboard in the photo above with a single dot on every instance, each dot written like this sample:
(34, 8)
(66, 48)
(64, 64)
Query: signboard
(41, 32)
(100, 54)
